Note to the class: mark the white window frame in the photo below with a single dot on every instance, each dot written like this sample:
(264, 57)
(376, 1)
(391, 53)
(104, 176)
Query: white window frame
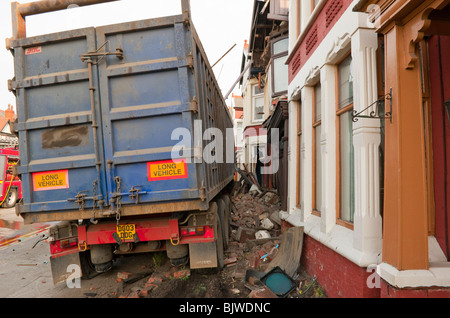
(278, 56)
(254, 98)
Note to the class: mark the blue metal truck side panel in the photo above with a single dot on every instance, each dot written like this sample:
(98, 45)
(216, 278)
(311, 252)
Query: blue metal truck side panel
(96, 131)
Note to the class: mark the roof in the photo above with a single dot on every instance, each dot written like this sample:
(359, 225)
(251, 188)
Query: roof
(3, 122)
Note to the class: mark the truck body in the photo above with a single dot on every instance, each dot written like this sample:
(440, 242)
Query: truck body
(98, 109)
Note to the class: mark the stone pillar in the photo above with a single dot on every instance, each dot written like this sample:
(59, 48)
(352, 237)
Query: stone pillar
(367, 235)
(306, 150)
(328, 147)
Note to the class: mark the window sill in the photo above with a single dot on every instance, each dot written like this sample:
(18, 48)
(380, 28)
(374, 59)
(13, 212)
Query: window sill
(437, 275)
(339, 239)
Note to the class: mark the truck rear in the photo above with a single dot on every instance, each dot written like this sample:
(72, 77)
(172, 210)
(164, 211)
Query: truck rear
(98, 109)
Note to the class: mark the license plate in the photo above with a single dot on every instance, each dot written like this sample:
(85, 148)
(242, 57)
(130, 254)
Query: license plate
(126, 231)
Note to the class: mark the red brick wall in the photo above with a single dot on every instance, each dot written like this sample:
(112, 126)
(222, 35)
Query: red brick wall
(339, 277)
(388, 291)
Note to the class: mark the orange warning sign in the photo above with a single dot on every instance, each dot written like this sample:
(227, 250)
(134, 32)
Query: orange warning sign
(51, 180)
(167, 170)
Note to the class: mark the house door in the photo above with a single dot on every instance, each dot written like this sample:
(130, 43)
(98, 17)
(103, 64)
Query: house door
(439, 68)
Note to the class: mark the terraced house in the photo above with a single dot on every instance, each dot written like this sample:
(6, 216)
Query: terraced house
(360, 163)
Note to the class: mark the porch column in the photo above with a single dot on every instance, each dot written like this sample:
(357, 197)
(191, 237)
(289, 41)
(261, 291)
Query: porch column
(306, 151)
(366, 141)
(405, 235)
(328, 147)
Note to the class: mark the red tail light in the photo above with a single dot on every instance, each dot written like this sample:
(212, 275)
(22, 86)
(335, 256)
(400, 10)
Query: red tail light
(71, 242)
(194, 230)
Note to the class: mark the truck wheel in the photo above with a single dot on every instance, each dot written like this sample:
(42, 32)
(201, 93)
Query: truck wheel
(219, 243)
(227, 218)
(11, 200)
(178, 254)
(221, 210)
(87, 268)
(101, 257)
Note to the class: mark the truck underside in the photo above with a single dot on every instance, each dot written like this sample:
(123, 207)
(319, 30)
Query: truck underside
(197, 238)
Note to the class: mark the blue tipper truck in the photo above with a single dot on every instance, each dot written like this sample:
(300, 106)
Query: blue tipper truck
(96, 110)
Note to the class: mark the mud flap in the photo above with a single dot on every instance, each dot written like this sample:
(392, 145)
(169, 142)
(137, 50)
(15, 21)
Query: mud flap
(203, 255)
(66, 267)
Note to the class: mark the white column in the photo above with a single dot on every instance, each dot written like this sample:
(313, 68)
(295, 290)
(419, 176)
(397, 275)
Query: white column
(294, 15)
(292, 158)
(328, 147)
(305, 14)
(367, 236)
(306, 150)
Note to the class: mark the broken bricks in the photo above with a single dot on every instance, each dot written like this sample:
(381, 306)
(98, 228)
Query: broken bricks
(244, 234)
(252, 214)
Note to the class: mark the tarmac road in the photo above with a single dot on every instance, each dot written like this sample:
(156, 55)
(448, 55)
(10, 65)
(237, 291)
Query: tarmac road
(25, 269)
(24, 258)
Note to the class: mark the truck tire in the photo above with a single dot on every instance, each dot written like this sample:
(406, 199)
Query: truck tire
(178, 254)
(11, 199)
(219, 242)
(101, 257)
(87, 268)
(227, 218)
(221, 210)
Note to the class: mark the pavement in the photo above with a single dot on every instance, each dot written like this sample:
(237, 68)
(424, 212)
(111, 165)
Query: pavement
(25, 269)
(24, 257)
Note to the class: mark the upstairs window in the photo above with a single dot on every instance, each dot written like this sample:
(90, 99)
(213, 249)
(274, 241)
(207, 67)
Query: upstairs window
(258, 103)
(280, 49)
(279, 10)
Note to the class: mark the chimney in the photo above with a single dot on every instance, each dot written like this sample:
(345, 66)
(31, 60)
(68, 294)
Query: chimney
(9, 113)
(246, 47)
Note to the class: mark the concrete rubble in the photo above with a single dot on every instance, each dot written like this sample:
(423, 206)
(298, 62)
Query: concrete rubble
(254, 243)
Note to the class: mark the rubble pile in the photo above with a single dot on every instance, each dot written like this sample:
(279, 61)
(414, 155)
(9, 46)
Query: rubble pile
(255, 216)
(256, 246)
(255, 236)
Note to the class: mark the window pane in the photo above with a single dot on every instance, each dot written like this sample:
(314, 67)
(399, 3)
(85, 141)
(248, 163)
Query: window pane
(280, 46)
(318, 102)
(347, 193)
(280, 72)
(318, 168)
(258, 108)
(257, 90)
(345, 83)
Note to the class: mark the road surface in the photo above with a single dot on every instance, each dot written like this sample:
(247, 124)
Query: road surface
(25, 270)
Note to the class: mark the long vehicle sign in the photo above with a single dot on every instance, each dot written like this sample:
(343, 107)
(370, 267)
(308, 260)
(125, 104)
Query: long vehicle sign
(166, 170)
(51, 180)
